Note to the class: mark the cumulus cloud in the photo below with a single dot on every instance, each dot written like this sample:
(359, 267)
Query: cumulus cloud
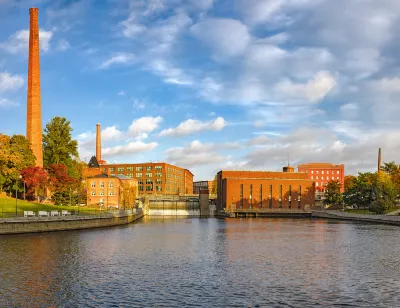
(19, 41)
(10, 82)
(140, 128)
(121, 58)
(111, 133)
(130, 148)
(194, 126)
(6, 103)
(227, 37)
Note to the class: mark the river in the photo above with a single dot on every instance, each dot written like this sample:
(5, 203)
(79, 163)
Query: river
(205, 263)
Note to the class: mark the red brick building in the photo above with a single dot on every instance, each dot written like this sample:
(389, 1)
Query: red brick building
(322, 173)
(264, 189)
(203, 185)
(154, 178)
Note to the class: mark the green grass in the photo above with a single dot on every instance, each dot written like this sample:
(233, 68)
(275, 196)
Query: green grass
(7, 207)
(367, 212)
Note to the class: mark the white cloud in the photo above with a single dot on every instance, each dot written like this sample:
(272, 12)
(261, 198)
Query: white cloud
(259, 140)
(227, 37)
(388, 85)
(63, 45)
(313, 91)
(119, 58)
(194, 126)
(142, 126)
(6, 103)
(10, 82)
(19, 41)
(110, 133)
(170, 74)
(131, 148)
(121, 93)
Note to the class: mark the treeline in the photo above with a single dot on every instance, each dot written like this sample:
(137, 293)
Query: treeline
(378, 192)
(62, 174)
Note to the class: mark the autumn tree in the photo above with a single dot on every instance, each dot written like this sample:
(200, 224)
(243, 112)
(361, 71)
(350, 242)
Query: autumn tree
(58, 146)
(390, 168)
(384, 194)
(215, 186)
(349, 182)
(128, 193)
(61, 184)
(332, 193)
(36, 180)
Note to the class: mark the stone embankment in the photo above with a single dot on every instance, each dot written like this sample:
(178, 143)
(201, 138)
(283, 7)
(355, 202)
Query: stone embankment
(36, 224)
(381, 219)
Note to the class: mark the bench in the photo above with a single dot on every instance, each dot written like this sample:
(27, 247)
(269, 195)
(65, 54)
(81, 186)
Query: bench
(65, 213)
(29, 214)
(54, 213)
(43, 214)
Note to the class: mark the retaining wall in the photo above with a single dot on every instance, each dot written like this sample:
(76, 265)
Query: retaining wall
(33, 225)
(381, 219)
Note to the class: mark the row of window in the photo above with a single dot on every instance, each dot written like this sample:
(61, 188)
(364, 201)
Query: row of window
(149, 188)
(110, 193)
(102, 184)
(174, 170)
(260, 203)
(122, 169)
(327, 178)
(323, 172)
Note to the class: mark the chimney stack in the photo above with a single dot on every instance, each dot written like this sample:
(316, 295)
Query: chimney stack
(34, 109)
(98, 143)
(379, 160)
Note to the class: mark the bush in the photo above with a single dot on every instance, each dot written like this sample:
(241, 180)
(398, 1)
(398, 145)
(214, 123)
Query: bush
(379, 206)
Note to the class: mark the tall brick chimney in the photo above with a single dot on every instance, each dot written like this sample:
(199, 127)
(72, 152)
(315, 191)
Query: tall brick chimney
(379, 160)
(98, 143)
(34, 113)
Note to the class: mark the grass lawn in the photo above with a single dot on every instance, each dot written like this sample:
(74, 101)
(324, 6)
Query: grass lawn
(7, 207)
(367, 212)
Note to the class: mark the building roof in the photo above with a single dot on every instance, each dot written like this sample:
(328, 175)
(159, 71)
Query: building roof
(263, 175)
(93, 163)
(103, 175)
(123, 177)
(319, 165)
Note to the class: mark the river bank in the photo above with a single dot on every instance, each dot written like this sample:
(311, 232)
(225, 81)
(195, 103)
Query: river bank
(380, 219)
(48, 224)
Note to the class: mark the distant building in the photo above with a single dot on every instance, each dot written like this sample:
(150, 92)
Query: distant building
(322, 173)
(203, 185)
(109, 191)
(154, 178)
(264, 189)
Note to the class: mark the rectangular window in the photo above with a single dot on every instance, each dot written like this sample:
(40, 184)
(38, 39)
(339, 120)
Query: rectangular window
(101, 192)
(290, 196)
(120, 169)
(312, 171)
(102, 184)
(130, 175)
(93, 193)
(312, 178)
(140, 188)
(261, 195)
(158, 167)
(93, 184)
(299, 198)
(251, 195)
(140, 181)
(149, 168)
(111, 193)
(270, 197)
(129, 169)
(149, 175)
(322, 172)
(159, 174)
(149, 181)
(322, 177)
(139, 174)
(338, 172)
(110, 184)
(317, 184)
(158, 181)
(139, 168)
(149, 188)
(158, 188)
(317, 171)
(112, 169)
(241, 196)
(280, 196)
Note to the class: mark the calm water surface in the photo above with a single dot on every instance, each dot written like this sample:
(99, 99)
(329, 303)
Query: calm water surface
(205, 263)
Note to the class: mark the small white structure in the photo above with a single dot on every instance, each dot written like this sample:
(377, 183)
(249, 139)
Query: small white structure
(43, 214)
(29, 214)
(54, 213)
(65, 213)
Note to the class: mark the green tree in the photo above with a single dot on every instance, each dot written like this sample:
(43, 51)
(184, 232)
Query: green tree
(215, 185)
(58, 146)
(332, 193)
(384, 194)
(360, 194)
(390, 168)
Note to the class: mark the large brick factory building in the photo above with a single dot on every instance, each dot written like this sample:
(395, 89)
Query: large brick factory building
(264, 190)
(322, 173)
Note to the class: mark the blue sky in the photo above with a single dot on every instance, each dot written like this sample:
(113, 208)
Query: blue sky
(213, 84)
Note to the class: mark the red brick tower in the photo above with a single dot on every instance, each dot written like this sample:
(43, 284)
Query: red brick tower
(34, 113)
(98, 143)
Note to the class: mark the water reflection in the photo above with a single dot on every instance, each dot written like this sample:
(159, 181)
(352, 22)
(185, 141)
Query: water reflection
(206, 263)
